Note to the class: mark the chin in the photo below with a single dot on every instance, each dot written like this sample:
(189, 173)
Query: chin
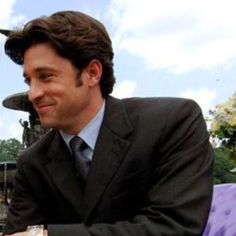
(47, 124)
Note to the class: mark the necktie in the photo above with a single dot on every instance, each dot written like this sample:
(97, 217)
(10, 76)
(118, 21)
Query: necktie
(82, 163)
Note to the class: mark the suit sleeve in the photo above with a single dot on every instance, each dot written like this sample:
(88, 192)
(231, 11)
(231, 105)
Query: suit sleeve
(179, 197)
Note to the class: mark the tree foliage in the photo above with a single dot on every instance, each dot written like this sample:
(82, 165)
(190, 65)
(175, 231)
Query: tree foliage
(223, 167)
(223, 131)
(224, 124)
(9, 149)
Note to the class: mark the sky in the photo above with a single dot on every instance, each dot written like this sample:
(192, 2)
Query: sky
(163, 48)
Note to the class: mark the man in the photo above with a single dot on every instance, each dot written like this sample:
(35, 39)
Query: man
(148, 168)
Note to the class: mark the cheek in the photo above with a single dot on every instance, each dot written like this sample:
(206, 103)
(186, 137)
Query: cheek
(69, 101)
(70, 96)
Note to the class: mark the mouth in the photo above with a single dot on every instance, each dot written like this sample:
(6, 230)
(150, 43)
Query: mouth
(43, 108)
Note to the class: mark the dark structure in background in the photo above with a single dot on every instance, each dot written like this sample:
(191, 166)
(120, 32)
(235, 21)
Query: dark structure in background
(7, 173)
(5, 32)
(32, 130)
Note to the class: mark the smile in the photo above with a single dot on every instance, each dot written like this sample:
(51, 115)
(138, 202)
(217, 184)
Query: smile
(43, 108)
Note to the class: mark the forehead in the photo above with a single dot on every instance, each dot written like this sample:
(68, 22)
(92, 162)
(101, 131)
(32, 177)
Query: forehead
(40, 50)
(43, 55)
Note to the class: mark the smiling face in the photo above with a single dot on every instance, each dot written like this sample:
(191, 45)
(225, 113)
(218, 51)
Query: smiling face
(64, 98)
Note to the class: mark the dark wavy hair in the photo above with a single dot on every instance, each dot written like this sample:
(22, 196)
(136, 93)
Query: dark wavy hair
(75, 36)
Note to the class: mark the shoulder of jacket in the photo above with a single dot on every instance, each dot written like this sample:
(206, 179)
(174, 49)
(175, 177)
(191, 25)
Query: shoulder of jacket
(160, 102)
(39, 146)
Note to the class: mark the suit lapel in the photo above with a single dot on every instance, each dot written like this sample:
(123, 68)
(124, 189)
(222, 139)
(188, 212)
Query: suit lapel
(111, 146)
(60, 168)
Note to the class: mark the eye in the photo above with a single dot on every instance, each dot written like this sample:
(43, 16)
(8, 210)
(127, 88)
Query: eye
(45, 76)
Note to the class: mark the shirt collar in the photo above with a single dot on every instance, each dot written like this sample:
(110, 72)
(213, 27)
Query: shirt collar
(90, 132)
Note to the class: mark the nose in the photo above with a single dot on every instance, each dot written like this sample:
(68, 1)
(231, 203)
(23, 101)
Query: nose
(35, 91)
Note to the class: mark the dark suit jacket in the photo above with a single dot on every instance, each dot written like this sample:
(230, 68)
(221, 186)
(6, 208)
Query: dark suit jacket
(151, 174)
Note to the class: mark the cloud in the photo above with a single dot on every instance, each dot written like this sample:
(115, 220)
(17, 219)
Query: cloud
(204, 97)
(179, 36)
(6, 11)
(124, 89)
(8, 19)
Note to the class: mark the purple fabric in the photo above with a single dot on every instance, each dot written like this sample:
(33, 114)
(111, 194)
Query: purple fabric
(222, 218)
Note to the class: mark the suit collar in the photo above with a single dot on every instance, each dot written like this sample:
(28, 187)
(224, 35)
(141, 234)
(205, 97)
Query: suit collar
(116, 118)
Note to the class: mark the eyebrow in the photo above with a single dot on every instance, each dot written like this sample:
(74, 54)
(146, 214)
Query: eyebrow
(40, 69)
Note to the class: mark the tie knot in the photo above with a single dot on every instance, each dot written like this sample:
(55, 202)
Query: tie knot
(77, 144)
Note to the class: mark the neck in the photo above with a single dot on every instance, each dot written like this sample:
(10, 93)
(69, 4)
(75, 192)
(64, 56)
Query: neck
(85, 117)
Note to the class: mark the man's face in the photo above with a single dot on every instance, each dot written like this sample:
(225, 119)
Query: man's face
(53, 88)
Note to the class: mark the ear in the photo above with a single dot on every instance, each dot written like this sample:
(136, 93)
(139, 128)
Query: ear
(93, 72)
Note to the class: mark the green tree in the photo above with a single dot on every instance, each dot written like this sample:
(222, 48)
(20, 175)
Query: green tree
(223, 167)
(9, 149)
(224, 124)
